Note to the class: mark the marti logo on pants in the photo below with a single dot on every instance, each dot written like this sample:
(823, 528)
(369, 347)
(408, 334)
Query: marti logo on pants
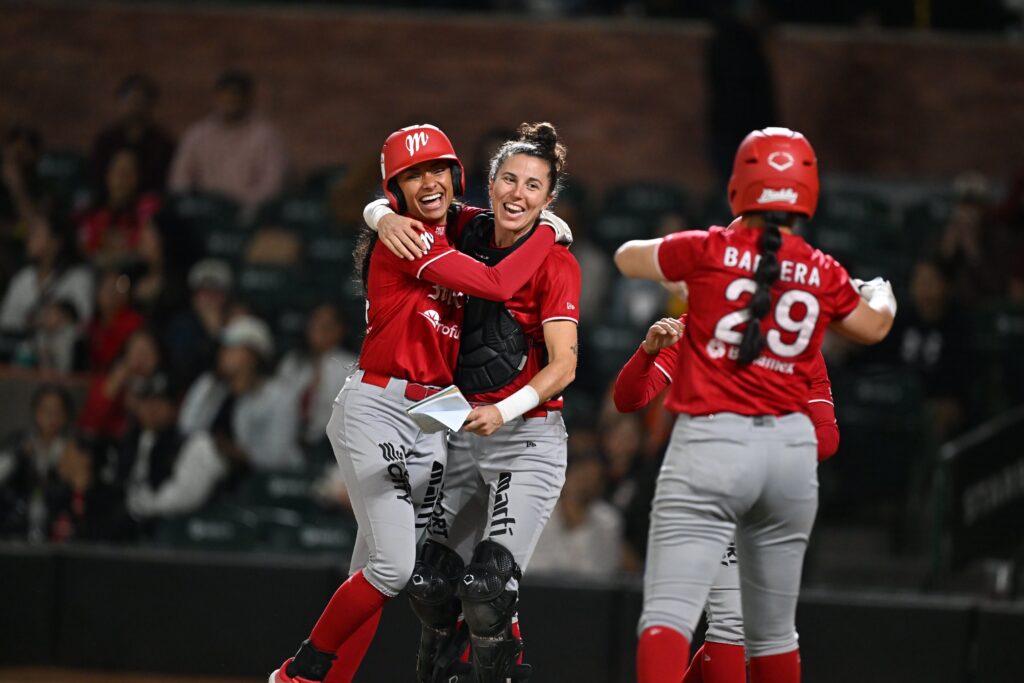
(501, 522)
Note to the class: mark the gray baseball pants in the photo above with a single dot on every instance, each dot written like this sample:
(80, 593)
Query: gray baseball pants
(725, 474)
(393, 472)
(502, 487)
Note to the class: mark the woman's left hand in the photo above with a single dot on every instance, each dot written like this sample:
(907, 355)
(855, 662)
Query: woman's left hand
(483, 420)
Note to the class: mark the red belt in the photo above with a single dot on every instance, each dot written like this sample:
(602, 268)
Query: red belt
(413, 391)
(536, 412)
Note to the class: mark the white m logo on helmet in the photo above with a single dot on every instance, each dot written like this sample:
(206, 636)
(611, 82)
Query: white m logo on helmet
(416, 141)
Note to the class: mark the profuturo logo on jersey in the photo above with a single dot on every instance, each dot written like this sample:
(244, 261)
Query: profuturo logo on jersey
(770, 196)
(780, 161)
(414, 142)
(443, 329)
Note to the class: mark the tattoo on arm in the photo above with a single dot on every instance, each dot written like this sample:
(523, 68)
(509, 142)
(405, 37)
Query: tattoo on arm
(576, 349)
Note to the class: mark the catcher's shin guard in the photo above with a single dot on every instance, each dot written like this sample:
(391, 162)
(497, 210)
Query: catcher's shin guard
(488, 609)
(432, 598)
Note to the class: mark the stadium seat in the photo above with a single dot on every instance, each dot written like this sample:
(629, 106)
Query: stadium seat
(605, 349)
(67, 172)
(219, 528)
(610, 230)
(305, 213)
(319, 182)
(651, 198)
(285, 490)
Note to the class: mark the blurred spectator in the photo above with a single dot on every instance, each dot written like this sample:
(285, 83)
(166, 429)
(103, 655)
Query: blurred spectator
(347, 196)
(23, 193)
(110, 232)
(249, 413)
(109, 400)
(136, 130)
(28, 463)
(58, 344)
(584, 534)
(741, 88)
(167, 472)
(973, 250)
(631, 480)
(233, 151)
(115, 319)
(478, 171)
(317, 372)
(81, 506)
(191, 336)
(53, 273)
(932, 337)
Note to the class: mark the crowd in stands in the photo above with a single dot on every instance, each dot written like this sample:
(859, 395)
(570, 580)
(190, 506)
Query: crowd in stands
(188, 311)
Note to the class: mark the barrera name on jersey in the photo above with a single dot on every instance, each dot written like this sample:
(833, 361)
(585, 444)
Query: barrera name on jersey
(718, 266)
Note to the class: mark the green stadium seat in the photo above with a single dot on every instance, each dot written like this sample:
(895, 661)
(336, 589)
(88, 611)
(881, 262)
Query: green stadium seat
(281, 490)
(320, 181)
(610, 230)
(651, 198)
(305, 213)
(218, 528)
(68, 173)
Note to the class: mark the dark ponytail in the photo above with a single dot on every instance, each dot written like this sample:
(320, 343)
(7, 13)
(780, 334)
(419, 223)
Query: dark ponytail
(767, 273)
(537, 140)
(365, 242)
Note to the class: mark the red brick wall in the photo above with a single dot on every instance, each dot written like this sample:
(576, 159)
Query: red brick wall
(629, 97)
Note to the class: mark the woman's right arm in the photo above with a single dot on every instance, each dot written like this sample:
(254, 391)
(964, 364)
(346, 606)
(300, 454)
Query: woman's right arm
(649, 371)
(871, 320)
(462, 273)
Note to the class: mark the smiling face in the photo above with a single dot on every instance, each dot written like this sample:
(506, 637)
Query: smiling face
(428, 190)
(520, 190)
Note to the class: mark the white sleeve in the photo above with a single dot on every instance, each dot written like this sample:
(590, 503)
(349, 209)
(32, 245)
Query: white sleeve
(375, 211)
(196, 472)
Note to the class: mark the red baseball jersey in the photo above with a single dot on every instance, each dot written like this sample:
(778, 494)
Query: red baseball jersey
(645, 375)
(414, 308)
(552, 293)
(718, 266)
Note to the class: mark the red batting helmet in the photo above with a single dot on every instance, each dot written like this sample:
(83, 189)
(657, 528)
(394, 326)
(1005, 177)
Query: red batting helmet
(410, 146)
(775, 170)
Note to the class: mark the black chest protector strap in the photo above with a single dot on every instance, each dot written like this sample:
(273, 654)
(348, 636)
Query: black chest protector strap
(492, 347)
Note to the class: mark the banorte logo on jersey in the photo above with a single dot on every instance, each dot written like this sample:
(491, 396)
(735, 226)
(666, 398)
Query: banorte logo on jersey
(443, 329)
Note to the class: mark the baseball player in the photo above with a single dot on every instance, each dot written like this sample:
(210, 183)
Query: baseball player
(414, 315)
(721, 659)
(507, 465)
(742, 455)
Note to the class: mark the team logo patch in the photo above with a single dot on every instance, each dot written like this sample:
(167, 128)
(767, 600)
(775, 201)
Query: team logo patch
(414, 142)
(780, 161)
(770, 196)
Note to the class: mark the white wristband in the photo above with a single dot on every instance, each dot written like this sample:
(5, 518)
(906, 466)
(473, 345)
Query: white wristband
(375, 211)
(518, 403)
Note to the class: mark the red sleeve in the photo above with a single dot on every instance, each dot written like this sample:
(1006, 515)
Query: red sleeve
(462, 273)
(841, 295)
(561, 286)
(822, 409)
(644, 376)
(679, 253)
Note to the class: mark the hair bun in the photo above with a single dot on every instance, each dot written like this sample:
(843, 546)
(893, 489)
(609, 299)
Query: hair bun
(542, 134)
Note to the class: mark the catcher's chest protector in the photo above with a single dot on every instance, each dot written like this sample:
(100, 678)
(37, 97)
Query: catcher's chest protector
(493, 347)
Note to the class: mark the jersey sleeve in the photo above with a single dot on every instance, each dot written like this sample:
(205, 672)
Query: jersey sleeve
(457, 271)
(561, 286)
(644, 376)
(822, 410)
(841, 295)
(679, 253)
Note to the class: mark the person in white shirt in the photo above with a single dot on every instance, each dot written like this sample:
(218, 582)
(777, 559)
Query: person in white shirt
(169, 473)
(248, 411)
(317, 372)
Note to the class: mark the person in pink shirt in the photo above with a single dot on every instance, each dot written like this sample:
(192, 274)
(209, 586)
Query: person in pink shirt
(233, 151)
